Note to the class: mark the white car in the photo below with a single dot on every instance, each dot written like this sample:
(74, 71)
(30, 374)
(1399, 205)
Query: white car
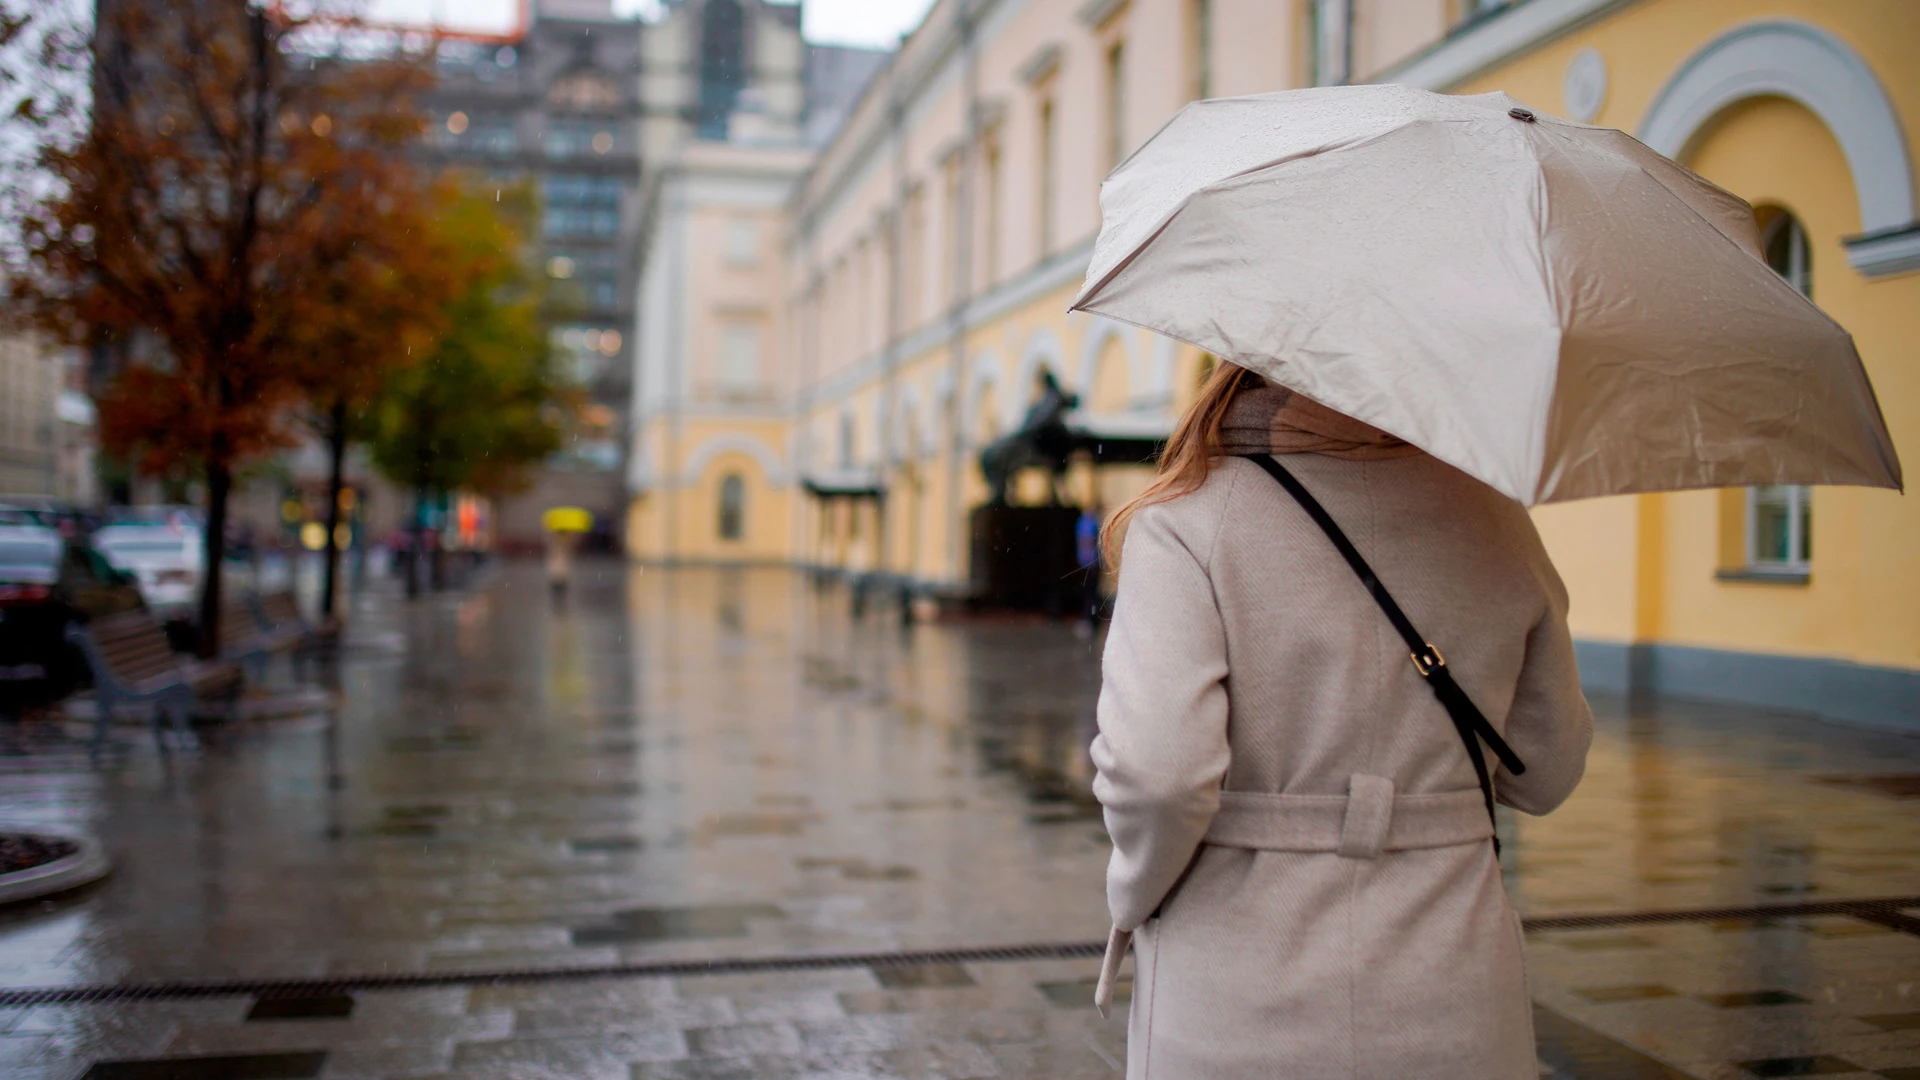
(168, 560)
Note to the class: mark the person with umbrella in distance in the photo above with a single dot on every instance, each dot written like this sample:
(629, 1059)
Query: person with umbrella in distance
(565, 525)
(1338, 640)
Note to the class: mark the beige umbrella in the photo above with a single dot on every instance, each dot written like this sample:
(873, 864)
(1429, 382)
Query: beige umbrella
(1551, 307)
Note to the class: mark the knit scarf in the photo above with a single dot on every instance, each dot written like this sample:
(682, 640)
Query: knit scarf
(1271, 419)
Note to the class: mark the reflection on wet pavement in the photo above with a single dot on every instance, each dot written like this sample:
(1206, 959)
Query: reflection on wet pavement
(695, 764)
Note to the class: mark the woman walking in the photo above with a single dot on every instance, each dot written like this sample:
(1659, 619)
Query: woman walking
(1302, 854)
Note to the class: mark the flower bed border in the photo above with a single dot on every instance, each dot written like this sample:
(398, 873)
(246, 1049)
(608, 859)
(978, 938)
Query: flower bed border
(87, 864)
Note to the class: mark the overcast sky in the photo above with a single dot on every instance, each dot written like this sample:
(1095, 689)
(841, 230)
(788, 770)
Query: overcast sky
(874, 23)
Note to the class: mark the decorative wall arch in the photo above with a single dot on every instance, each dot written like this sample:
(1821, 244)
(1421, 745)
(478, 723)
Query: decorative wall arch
(1808, 65)
(909, 426)
(1185, 375)
(983, 375)
(1100, 331)
(1162, 369)
(1043, 349)
(846, 437)
(944, 418)
(762, 454)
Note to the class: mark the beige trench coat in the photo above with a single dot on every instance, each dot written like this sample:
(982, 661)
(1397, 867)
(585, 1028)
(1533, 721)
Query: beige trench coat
(1299, 843)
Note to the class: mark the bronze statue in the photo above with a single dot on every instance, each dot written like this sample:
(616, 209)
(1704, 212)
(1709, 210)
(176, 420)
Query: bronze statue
(1041, 440)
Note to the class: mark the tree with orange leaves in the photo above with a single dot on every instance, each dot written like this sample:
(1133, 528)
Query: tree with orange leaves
(390, 288)
(233, 194)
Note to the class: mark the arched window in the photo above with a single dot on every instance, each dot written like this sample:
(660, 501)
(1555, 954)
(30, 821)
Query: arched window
(1780, 516)
(1784, 241)
(733, 507)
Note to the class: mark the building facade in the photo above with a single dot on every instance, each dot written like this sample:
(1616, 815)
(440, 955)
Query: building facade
(47, 444)
(715, 372)
(29, 398)
(930, 250)
(556, 105)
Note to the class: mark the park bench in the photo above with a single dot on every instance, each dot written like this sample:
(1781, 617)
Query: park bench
(245, 637)
(133, 663)
(280, 614)
(281, 619)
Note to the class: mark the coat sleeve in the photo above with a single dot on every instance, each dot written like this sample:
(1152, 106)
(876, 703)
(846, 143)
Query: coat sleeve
(1550, 725)
(1162, 749)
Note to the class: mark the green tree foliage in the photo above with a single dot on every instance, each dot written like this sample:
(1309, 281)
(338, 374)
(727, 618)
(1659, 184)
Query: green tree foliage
(487, 401)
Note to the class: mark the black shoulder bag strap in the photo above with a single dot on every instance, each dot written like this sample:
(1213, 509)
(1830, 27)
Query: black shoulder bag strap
(1466, 716)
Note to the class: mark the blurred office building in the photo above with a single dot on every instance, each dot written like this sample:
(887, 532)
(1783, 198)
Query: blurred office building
(554, 104)
(46, 423)
(830, 334)
(593, 109)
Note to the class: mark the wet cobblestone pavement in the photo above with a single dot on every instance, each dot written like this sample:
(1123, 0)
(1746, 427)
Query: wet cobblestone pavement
(708, 765)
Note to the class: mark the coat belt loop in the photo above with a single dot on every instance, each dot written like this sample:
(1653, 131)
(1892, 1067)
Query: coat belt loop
(1369, 813)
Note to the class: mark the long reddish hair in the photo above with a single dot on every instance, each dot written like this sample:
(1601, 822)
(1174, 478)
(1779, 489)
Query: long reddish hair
(1190, 454)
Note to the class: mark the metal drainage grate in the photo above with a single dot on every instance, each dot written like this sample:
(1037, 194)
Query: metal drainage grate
(1884, 912)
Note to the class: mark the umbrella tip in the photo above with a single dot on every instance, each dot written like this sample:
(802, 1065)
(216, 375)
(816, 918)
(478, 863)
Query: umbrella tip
(1519, 113)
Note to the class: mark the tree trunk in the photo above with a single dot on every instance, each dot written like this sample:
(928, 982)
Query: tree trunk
(219, 484)
(437, 565)
(336, 482)
(418, 534)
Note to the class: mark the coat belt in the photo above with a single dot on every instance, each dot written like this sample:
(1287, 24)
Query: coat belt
(1368, 819)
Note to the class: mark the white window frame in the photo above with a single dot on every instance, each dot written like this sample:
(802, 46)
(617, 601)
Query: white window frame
(1799, 500)
(734, 510)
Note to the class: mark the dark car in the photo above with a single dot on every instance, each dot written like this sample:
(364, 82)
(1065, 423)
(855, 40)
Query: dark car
(47, 582)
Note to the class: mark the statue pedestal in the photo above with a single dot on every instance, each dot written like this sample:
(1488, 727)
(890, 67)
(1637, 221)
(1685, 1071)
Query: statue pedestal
(1023, 557)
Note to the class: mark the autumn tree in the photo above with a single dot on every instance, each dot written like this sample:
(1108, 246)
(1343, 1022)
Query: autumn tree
(390, 287)
(488, 401)
(223, 167)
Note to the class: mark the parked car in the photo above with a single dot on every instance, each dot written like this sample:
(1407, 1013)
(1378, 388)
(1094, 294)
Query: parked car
(169, 561)
(47, 582)
(157, 514)
(41, 510)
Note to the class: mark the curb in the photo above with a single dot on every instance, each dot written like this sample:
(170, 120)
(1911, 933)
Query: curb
(86, 865)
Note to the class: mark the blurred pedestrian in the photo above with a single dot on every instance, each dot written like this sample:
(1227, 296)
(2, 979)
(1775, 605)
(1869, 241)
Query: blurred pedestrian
(1086, 541)
(1304, 851)
(560, 547)
(565, 526)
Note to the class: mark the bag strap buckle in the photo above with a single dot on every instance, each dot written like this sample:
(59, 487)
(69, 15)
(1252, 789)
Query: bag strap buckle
(1427, 661)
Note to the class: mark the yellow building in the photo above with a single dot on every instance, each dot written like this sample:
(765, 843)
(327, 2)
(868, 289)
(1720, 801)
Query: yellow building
(929, 250)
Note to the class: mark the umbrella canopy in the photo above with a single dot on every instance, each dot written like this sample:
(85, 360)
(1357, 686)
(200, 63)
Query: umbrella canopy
(1551, 307)
(567, 519)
